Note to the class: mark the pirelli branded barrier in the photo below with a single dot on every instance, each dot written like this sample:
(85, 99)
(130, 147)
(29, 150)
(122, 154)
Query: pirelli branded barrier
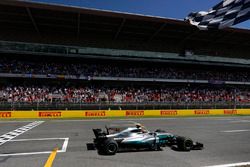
(119, 113)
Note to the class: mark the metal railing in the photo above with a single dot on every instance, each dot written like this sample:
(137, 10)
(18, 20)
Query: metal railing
(52, 49)
(119, 106)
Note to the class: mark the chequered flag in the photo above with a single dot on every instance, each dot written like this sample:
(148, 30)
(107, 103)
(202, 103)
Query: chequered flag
(222, 15)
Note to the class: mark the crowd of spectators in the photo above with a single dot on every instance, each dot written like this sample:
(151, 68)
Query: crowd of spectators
(98, 94)
(126, 94)
(134, 70)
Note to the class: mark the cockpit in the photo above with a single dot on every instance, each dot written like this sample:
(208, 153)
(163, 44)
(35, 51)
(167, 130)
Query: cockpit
(125, 129)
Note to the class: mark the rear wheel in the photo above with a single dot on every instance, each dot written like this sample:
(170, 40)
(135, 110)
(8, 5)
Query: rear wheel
(110, 147)
(184, 144)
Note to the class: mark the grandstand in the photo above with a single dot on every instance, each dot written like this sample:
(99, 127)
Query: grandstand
(61, 57)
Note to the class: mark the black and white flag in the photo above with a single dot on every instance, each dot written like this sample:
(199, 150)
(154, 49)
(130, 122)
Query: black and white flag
(222, 15)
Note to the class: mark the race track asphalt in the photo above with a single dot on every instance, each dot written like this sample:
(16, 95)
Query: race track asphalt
(226, 140)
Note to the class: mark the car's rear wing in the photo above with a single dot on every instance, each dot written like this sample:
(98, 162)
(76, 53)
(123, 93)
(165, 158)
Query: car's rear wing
(99, 133)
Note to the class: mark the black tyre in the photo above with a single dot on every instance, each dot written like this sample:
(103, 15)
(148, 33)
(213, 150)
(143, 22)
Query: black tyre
(110, 147)
(184, 144)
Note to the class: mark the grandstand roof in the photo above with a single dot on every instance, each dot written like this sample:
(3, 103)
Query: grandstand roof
(45, 20)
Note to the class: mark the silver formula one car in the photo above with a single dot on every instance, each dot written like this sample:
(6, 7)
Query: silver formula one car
(130, 136)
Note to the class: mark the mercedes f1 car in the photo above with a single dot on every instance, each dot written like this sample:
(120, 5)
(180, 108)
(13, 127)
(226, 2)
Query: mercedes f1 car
(133, 136)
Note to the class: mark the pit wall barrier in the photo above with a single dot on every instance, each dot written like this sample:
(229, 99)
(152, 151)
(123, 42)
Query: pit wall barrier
(119, 113)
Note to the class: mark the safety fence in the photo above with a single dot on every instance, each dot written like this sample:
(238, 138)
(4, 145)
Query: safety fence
(37, 106)
(119, 113)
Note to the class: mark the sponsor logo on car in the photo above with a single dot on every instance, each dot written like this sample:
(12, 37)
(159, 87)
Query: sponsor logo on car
(201, 112)
(50, 114)
(169, 112)
(230, 112)
(135, 113)
(95, 113)
(5, 114)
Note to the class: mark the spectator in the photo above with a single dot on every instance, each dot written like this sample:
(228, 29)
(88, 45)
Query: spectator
(117, 95)
(125, 70)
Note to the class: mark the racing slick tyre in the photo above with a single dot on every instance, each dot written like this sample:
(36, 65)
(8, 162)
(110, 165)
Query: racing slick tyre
(184, 144)
(110, 147)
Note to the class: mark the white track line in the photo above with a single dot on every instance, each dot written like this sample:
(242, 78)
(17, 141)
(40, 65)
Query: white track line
(39, 139)
(64, 147)
(231, 165)
(235, 131)
(30, 153)
(13, 134)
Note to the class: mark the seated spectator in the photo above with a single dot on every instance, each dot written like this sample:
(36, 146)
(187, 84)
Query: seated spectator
(97, 94)
(19, 66)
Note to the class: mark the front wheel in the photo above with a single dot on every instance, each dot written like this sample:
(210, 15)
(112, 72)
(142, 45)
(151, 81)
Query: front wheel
(184, 144)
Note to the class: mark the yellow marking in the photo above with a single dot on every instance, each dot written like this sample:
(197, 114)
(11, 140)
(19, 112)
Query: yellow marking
(51, 158)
